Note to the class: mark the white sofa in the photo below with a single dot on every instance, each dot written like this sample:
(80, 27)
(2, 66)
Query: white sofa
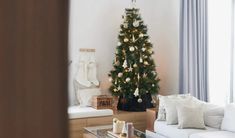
(214, 119)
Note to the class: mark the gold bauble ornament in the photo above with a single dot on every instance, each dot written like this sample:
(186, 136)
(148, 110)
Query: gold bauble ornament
(135, 65)
(146, 63)
(141, 35)
(126, 39)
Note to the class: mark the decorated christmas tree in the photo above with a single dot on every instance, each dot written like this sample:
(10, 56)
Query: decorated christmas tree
(134, 78)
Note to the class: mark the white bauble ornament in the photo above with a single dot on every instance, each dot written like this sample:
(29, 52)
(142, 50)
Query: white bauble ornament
(120, 75)
(153, 85)
(147, 91)
(140, 100)
(143, 49)
(110, 79)
(125, 25)
(149, 41)
(126, 39)
(136, 93)
(146, 63)
(115, 90)
(141, 60)
(141, 35)
(119, 43)
(135, 65)
(132, 49)
(128, 79)
(136, 23)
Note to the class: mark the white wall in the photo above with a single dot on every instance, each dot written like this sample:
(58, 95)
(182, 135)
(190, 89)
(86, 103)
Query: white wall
(96, 23)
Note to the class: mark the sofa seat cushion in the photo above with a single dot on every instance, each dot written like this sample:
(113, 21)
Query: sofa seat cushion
(214, 134)
(85, 112)
(172, 131)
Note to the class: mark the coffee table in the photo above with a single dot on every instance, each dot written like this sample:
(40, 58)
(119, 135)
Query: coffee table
(102, 132)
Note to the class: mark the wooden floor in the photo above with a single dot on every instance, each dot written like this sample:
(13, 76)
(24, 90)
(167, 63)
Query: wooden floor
(76, 125)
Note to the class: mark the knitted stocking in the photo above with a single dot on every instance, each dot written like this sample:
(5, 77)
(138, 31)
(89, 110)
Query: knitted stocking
(92, 72)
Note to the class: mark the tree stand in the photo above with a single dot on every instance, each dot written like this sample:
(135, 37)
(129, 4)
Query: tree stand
(132, 104)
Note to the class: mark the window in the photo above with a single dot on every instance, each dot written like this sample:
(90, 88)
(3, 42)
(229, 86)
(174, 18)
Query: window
(220, 50)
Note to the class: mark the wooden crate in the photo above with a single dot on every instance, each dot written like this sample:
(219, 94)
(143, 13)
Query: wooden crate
(102, 102)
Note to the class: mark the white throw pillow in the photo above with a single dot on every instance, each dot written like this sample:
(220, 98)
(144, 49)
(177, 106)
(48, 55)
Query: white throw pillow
(213, 117)
(190, 117)
(171, 111)
(85, 96)
(161, 108)
(228, 122)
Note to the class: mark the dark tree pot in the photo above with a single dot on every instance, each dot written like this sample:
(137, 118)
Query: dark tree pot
(133, 105)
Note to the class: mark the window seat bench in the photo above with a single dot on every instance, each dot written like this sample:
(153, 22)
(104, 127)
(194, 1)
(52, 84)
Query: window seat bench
(83, 117)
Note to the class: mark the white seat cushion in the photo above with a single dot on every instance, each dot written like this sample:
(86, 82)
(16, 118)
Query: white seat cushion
(172, 131)
(84, 112)
(214, 134)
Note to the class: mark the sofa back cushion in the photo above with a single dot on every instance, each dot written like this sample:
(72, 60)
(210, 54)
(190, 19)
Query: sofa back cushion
(213, 115)
(190, 117)
(228, 122)
(161, 109)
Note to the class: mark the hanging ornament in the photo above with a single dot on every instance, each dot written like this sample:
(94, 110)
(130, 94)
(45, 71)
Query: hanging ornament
(124, 65)
(147, 91)
(120, 75)
(115, 90)
(136, 23)
(117, 63)
(146, 63)
(136, 93)
(141, 60)
(140, 100)
(119, 88)
(153, 85)
(138, 76)
(132, 49)
(141, 35)
(130, 69)
(149, 41)
(125, 25)
(135, 65)
(128, 79)
(145, 57)
(143, 49)
(144, 75)
(126, 39)
(115, 82)
(153, 72)
(153, 101)
(150, 51)
(119, 44)
(110, 79)
(133, 38)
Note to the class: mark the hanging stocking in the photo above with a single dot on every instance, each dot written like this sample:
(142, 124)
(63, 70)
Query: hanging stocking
(92, 70)
(81, 75)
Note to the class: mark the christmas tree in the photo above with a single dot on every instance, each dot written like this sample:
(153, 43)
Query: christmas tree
(134, 78)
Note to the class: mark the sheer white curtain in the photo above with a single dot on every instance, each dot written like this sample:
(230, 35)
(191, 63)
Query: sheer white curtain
(221, 51)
